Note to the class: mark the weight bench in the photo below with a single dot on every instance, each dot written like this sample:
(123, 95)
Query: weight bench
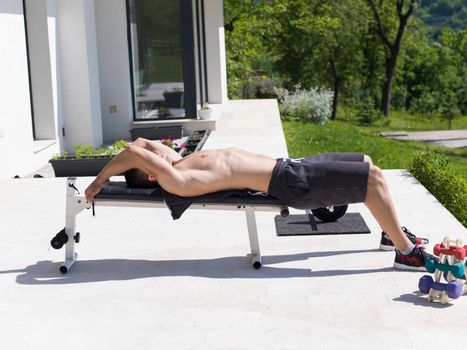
(117, 194)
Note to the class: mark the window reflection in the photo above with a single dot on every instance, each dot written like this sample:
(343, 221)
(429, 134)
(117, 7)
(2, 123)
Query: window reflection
(156, 50)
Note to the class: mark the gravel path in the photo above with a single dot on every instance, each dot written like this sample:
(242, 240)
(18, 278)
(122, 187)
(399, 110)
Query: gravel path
(447, 138)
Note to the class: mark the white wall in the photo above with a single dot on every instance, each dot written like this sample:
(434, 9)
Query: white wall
(17, 147)
(55, 71)
(40, 69)
(215, 51)
(114, 69)
(76, 32)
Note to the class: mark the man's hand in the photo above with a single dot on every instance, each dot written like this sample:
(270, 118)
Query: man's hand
(93, 189)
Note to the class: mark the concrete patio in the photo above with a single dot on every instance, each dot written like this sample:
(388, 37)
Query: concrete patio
(144, 281)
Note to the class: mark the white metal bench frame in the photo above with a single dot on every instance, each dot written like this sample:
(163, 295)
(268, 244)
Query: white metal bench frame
(75, 203)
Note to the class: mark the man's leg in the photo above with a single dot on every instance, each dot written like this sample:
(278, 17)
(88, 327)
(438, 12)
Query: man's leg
(379, 202)
(378, 199)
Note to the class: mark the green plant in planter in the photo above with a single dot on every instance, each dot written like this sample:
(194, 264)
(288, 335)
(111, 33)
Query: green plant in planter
(169, 142)
(61, 155)
(85, 151)
(119, 145)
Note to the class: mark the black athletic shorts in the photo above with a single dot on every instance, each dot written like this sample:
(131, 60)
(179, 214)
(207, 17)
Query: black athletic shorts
(320, 181)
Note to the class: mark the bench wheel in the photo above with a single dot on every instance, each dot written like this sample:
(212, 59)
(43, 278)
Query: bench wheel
(329, 214)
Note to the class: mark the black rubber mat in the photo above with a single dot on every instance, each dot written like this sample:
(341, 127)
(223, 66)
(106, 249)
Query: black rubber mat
(298, 225)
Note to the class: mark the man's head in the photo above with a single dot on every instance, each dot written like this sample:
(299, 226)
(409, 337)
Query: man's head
(138, 178)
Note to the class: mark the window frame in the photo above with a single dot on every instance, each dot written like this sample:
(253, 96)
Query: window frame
(188, 62)
(28, 55)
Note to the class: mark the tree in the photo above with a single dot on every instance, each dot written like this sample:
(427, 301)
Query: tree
(245, 23)
(292, 38)
(433, 76)
(341, 44)
(392, 47)
(316, 43)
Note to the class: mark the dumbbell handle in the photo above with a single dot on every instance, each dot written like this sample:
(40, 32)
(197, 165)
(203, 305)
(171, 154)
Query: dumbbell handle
(439, 286)
(453, 289)
(456, 269)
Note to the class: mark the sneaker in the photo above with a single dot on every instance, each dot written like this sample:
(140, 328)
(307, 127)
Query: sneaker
(414, 261)
(387, 244)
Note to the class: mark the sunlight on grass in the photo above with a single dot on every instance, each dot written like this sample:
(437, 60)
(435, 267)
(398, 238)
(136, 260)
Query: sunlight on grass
(304, 139)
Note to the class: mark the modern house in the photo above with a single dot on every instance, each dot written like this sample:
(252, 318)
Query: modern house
(87, 71)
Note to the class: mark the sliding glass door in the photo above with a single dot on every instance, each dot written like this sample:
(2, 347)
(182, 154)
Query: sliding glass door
(161, 45)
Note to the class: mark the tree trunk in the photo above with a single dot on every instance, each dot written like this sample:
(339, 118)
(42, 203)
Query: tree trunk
(335, 98)
(337, 83)
(393, 48)
(387, 86)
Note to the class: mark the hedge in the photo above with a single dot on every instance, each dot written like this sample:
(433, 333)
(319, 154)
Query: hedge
(435, 173)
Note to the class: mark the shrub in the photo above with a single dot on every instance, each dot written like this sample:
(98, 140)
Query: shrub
(435, 173)
(367, 112)
(312, 105)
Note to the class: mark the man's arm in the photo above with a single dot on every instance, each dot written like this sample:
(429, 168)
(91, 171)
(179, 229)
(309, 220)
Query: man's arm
(156, 147)
(140, 158)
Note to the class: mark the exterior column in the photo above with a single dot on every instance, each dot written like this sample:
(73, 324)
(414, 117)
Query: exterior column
(215, 51)
(76, 31)
(41, 76)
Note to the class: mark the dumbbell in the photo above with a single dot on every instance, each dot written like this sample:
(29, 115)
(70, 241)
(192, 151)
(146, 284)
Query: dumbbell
(456, 269)
(461, 278)
(458, 252)
(453, 289)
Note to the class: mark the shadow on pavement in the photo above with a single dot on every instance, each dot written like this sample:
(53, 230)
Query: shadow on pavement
(420, 299)
(86, 271)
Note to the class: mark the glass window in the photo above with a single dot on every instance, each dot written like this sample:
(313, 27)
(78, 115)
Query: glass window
(157, 62)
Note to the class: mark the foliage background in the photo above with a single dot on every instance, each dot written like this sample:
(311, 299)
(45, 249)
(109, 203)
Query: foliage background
(335, 44)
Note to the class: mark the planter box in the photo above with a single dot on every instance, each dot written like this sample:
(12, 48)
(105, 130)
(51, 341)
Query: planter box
(78, 167)
(71, 166)
(196, 141)
(157, 132)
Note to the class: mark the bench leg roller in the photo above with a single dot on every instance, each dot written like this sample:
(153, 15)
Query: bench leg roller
(66, 266)
(256, 261)
(253, 235)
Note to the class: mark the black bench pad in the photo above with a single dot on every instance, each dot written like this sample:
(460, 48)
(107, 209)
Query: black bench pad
(119, 191)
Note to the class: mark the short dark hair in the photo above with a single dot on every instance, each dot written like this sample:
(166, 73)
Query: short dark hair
(138, 178)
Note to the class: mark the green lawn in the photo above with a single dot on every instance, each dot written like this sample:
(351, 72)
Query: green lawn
(305, 139)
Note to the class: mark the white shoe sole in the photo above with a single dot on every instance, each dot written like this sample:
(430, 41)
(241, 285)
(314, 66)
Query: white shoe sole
(386, 248)
(409, 268)
(390, 248)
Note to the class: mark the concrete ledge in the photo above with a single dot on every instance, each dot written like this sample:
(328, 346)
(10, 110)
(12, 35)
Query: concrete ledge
(189, 125)
(253, 125)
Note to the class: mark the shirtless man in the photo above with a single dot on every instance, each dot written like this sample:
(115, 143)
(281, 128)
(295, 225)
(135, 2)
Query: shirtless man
(323, 180)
